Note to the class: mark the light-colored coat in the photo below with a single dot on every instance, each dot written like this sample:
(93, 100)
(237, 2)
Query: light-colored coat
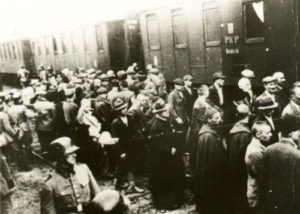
(254, 163)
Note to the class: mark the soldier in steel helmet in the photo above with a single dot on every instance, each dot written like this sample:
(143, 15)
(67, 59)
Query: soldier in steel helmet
(71, 186)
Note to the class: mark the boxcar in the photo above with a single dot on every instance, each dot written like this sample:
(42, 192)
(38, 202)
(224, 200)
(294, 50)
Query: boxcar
(201, 37)
(106, 45)
(12, 55)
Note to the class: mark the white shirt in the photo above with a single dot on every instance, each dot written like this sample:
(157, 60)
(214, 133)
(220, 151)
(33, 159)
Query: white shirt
(220, 93)
(124, 120)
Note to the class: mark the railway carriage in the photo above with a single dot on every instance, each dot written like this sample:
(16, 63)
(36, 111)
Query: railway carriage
(202, 37)
(197, 37)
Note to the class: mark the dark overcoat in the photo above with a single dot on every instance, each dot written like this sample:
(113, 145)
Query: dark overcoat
(178, 107)
(282, 178)
(190, 99)
(239, 138)
(210, 172)
(166, 170)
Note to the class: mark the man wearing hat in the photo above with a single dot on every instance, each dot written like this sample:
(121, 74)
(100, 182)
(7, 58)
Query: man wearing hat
(71, 186)
(143, 84)
(66, 113)
(158, 80)
(189, 94)
(270, 90)
(123, 128)
(23, 75)
(125, 93)
(7, 131)
(178, 111)
(216, 93)
(281, 170)
(45, 121)
(265, 112)
(22, 143)
(247, 73)
(210, 166)
(166, 166)
(130, 77)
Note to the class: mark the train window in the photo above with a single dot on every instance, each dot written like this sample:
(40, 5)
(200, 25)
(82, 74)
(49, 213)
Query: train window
(9, 51)
(179, 28)
(5, 51)
(46, 46)
(153, 32)
(19, 50)
(212, 21)
(74, 42)
(85, 40)
(100, 48)
(54, 46)
(254, 21)
(1, 52)
(33, 48)
(63, 45)
(13, 49)
(39, 48)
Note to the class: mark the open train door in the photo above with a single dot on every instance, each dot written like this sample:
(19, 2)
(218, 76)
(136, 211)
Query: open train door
(281, 33)
(28, 57)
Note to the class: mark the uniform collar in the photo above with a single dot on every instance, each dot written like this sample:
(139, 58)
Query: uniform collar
(65, 169)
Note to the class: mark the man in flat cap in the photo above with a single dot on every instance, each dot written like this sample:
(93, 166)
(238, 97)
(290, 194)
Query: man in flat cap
(178, 112)
(216, 93)
(71, 186)
(189, 93)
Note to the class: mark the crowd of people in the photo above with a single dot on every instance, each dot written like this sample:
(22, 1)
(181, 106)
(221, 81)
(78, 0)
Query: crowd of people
(240, 149)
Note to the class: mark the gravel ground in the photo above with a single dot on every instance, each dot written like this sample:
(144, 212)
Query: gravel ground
(26, 199)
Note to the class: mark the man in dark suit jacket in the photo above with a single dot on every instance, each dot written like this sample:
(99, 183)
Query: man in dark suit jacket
(178, 112)
(293, 108)
(266, 109)
(189, 94)
(282, 171)
(216, 93)
(123, 128)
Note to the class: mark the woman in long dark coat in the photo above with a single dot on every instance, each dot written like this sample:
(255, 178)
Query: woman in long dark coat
(210, 169)
(166, 166)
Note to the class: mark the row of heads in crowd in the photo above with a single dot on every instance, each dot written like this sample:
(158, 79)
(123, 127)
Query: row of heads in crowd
(99, 79)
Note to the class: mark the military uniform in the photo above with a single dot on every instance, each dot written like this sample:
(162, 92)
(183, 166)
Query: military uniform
(6, 184)
(65, 191)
